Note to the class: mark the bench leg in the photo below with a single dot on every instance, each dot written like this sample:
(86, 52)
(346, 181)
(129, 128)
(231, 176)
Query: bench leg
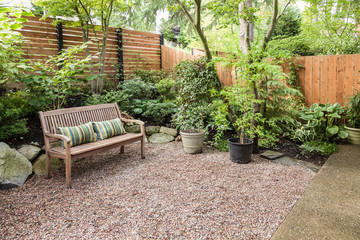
(48, 166)
(122, 149)
(68, 172)
(142, 147)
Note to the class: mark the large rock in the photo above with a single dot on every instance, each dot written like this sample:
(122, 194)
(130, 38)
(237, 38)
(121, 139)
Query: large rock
(133, 128)
(39, 166)
(150, 130)
(161, 138)
(29, 151)
(170, 131)
(14, 167)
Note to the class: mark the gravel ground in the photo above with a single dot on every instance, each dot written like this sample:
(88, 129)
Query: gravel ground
(168, 195)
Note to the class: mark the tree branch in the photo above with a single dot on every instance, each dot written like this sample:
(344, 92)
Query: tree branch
(182, 6)
(272, 24)
(282, 12)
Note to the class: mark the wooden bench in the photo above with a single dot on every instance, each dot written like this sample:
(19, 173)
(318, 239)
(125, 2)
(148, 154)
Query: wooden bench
(50, 120)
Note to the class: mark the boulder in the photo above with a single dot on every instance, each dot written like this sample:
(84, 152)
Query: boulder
(53, 145)
(150, 130)
(161, 138)
(133, 128)
(14, 167)
(39, 166)
(29, 151)
(170, 131)
(271, 155)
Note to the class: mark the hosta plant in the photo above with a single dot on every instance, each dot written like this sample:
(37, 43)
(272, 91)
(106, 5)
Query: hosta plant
(320, 122)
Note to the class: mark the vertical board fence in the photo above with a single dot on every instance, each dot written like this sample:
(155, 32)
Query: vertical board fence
(322, 79)
(137, 49)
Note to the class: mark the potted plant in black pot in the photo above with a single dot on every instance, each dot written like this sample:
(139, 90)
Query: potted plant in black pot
(194, 81)
(353, 119)
(241, 98)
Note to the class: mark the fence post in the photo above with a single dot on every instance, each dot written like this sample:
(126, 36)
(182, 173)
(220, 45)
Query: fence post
(120, 54)
(60, 39)
(161, 43)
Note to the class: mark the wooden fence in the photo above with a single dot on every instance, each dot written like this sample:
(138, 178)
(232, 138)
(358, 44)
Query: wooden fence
(322, 79)
(126, 49)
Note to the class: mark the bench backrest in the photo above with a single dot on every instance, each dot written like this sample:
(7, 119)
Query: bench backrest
(78, 115)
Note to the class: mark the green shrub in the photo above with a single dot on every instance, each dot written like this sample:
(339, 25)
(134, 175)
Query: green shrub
(194, 82)
(13, 109)
(166, 88)
(353, 111)
(148, 76)
(320, 122)
(139, 99)
(324, 148)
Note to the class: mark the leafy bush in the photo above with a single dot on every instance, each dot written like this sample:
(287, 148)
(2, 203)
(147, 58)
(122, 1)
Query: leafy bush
(194, 81)
(320, 128)
(12, 63)
(324, 148)
(353, 111)
(14, 107)
(166, 88)
(148, 76)
(320, 122)
(139, 99)
(57, 78)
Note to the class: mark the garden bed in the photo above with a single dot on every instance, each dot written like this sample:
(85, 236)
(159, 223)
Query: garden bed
(169, 194)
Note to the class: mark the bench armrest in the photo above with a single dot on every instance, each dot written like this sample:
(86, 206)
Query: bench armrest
(133, 120)
(58, 136)
(141, 123)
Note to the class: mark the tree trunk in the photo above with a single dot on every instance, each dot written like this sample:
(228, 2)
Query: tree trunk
(246, 35)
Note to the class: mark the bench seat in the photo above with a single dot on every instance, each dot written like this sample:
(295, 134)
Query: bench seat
(60, 152)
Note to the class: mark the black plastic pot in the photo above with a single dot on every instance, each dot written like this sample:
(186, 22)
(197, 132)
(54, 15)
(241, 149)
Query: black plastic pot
(240, 153)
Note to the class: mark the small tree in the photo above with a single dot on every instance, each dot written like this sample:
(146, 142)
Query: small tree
(88, 12)
(12, 63)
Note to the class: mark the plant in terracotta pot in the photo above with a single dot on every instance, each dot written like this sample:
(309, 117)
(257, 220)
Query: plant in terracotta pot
(194, 81)
(353, 119)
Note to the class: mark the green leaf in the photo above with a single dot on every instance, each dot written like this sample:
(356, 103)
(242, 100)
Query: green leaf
(16, 26)
(332, 130)
(343, 134)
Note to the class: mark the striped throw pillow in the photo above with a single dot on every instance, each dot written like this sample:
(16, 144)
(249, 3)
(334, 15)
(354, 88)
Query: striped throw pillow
(78, 134)
(108, 129)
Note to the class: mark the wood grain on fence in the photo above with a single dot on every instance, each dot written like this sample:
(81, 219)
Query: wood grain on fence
(329, 78)
(140, 49)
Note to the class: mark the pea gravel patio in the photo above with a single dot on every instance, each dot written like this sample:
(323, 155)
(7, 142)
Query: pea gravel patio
(168, 195)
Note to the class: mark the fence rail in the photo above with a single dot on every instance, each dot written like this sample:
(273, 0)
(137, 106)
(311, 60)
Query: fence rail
(139, 49)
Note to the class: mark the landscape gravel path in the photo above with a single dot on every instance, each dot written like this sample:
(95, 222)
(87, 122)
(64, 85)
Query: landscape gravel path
(168, 195)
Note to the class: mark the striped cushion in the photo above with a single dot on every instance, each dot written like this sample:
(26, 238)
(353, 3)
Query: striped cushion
(108, 129)
(78, 134)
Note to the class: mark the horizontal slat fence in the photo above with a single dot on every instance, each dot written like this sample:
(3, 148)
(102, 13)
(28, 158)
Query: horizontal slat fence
(139, 49)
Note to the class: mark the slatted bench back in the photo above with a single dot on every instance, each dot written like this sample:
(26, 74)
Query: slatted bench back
(68, 117)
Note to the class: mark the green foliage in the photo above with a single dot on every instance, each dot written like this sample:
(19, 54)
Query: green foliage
(324, 148)
(320, 122)
(288, 25)
(139, 99)
(166, 88)
(148, 76)
(222, 145)
(353, 111)
(297, 45)
(12, 63)
(57, 78)
(14, 107)
(194, 81)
